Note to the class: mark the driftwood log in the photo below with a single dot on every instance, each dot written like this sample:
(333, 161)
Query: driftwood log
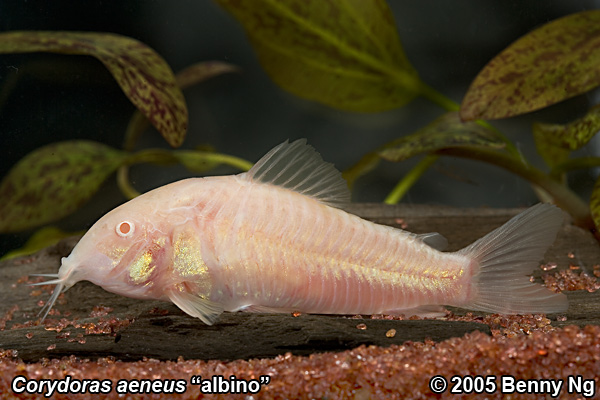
(93, 323)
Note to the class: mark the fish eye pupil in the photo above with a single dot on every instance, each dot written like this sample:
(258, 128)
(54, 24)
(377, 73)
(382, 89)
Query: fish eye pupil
(125, 229)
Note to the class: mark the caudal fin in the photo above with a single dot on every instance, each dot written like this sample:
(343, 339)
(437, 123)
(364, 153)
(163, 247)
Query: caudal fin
(507, 255)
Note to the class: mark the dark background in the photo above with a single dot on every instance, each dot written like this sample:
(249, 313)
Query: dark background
(46, 98)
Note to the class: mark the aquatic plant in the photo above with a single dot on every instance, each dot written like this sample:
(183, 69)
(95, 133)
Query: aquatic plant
(346, 55)
(53, 181)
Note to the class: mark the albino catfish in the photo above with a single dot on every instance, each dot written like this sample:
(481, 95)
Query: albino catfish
(273, 240)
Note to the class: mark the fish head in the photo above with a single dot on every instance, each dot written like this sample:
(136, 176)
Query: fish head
(121, 253)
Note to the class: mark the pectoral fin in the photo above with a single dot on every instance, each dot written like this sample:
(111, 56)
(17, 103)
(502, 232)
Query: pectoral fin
(208, 311)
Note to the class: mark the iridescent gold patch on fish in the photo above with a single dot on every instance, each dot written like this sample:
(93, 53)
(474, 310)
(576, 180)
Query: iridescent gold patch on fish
(188, 262)
(116, 254)
(140, 270)
(187, 257)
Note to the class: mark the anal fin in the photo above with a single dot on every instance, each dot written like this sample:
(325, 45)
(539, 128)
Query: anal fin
(208, 311)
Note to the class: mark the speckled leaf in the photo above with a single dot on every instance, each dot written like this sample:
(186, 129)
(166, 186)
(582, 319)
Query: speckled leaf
(54, 181)
(345, 53)
(550, 152)
(574, 135)
(552, 63)
(446, 131)
(143, 75)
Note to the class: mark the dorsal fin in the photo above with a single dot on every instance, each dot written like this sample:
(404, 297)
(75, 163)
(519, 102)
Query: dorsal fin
(298, 167)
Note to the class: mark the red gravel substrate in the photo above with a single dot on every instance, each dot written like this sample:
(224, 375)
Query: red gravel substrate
(396, 372)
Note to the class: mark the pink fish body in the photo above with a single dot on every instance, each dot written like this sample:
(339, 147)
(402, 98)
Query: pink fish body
(272, 240)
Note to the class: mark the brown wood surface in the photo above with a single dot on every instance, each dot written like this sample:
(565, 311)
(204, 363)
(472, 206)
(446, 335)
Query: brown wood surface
(162, 331)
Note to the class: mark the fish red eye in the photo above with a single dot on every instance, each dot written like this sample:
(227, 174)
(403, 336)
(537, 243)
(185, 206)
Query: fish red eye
(125, 229)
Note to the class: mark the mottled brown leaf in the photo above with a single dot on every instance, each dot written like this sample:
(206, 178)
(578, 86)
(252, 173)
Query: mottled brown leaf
(552, 63)
(446, 131)
(345, 54)
(53, 181)
(144, 76)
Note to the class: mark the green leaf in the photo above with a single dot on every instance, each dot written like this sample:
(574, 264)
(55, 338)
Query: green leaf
(144, 76)
(345, 54)
(552, 63)
(552, 154)
(53, 181)
(40, 240)
(446, 131)
(574, 135)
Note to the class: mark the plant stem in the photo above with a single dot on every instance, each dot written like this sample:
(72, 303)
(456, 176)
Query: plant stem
(226, 159)
(575, 163)
(561, 195)
(154, 156)
(123, 181)
(510, 147)
(138, 123)
(168, 157)
(367, 163)
(438, 98)
(448, 104)
(413, 175)
(409, 179)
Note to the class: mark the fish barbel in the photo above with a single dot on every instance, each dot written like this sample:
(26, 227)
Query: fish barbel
(273, 240)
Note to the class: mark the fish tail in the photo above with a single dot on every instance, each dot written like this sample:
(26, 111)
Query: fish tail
(504, 258)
